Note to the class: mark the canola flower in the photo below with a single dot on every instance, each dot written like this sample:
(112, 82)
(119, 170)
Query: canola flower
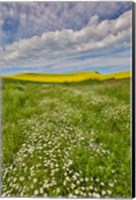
(62, 78)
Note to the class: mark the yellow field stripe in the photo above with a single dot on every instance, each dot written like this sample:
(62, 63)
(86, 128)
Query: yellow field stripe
(75, 77)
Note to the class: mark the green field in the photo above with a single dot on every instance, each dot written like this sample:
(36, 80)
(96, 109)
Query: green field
(70, 139)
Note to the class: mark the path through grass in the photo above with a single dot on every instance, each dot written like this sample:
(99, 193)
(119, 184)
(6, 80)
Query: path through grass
(69, 140)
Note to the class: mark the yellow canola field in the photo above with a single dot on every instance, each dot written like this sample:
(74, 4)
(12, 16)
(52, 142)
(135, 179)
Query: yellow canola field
(119, 75)
(75, 77)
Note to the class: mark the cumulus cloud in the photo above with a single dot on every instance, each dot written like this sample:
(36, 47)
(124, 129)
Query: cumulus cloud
(25, 19)
(57, 47)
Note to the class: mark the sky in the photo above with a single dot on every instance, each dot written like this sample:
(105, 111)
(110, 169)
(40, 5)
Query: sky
(65, 37)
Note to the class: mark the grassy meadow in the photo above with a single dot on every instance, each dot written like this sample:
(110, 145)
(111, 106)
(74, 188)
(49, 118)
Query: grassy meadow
(66, 139)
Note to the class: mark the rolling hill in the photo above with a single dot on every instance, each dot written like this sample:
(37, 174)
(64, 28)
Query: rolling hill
(73, 77)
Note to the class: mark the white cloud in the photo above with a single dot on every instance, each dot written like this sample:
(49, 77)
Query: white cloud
(51, 47)
(35, 18)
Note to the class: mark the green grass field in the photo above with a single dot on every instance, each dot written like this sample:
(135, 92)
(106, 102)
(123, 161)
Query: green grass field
(70, 140)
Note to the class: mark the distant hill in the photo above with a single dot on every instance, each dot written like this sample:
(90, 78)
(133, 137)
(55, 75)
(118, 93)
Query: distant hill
(73, 77)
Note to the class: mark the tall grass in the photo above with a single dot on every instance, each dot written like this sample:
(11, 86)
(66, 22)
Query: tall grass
(70, 139)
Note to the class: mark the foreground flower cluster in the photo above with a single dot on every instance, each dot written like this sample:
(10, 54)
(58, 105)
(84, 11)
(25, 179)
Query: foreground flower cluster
(62, 154)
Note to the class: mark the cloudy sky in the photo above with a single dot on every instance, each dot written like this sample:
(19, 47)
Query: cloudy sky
(65, 37)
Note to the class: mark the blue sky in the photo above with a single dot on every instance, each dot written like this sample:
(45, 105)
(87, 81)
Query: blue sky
(65, 37)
